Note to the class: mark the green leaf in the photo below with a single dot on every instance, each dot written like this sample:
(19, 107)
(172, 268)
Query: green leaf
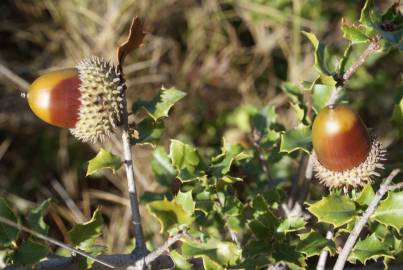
(162, 168)
(209, 264)
(334, 209)
(354, 34)
(322, 57)
(313, 243)
(365, 17)
(160, 105)
(170, 214)
(83, 234)
(291, 224)
(369, 248)
(186, 201)
(289, 254)
(226, 253)
(103, 160)
(230, 153)
(8, 234)
(30, 252)
(298, 138)
(320, 96)
(185, 160)
(264, 118)
(293, 91)
(35, 218)
(264, 224)
(366, 195)
(180, 262)
(390, 211)
(149, 132)
(255, 247)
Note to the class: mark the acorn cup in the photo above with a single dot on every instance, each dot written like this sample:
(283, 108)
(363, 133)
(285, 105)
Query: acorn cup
(87, 99)
(345, 154)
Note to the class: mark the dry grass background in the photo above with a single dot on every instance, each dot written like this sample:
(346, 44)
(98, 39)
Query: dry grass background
(222, 53)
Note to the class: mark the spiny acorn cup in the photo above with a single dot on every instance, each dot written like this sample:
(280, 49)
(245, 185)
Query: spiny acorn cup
(87, 99)
(345, 154)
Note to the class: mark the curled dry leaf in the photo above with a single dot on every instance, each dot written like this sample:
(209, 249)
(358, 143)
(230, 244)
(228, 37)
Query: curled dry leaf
(134, 40)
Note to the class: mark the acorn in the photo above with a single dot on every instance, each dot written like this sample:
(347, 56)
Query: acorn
(345, 153)
(87, 99)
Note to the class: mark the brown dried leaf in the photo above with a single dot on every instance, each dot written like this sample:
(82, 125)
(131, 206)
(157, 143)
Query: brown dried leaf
(134, 40)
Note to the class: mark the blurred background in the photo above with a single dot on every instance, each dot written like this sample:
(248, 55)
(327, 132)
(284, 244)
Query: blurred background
(226, 55)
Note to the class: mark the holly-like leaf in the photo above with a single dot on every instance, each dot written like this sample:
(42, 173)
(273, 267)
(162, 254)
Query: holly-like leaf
(353, 33)
(264, 224)
(30, 252)
(320, 95)
(103, 160)
(366, 195)
(264, 118)
(221, 164)
(298, 138)
(36, 220)
(291, 224)
(170, 214)
(369, 248)
(185, 199)
(334, 209)
(293, 91)
(180, 261)
(322, 57)
(8, 234)
(289, 255)
(367, 13)
(397, 117)
(313, 243)
(149, 131)
(185, 160)
(218, 252)
(83, 235)
(162, 168)
(160, 105)
(390, 211)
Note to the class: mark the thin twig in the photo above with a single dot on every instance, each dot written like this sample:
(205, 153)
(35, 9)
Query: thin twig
(348, 246)
(372, 47)
(128, 163)
(323, 255)
(159, 251)
(51, 240)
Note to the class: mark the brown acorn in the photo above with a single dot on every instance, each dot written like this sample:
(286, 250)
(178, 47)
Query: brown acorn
(87, 99)
(345, 154)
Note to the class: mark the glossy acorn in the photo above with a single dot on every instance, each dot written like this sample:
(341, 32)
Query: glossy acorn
(87, 99)
(345, 153)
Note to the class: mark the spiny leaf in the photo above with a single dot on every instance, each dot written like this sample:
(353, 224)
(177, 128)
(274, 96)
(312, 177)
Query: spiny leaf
(103, 160)
(90, 230)
(322, 57)
(291, 224)
(221, 164)
(313, 243)
(186, 160)
(369, 248)
(36, 220)
(170, 214)
(366, 195)
(160, 105)
(390, 211)
(149, 132)
(298, 138)
(8, 234)
(185, 199)
(180, 261)
(320, 95)
(353, 33)
(334, 209)
(30, 252)
(162, 168)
